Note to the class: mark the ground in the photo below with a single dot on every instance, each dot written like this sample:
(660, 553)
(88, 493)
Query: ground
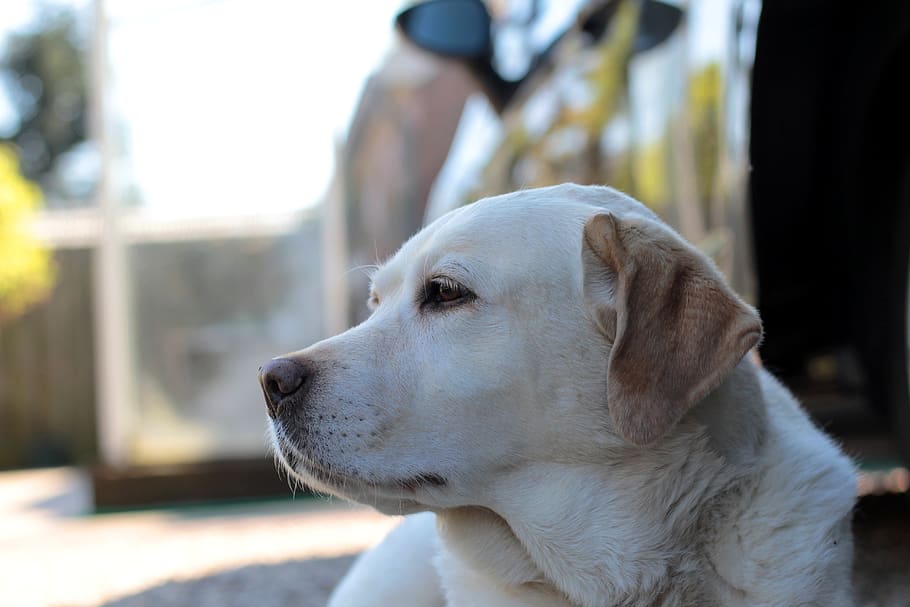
(53, 553)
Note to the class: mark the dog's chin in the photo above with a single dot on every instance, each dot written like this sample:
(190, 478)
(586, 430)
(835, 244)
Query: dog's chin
(395, 497)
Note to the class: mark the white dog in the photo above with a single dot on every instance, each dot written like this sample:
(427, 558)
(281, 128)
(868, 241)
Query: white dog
(561, 379)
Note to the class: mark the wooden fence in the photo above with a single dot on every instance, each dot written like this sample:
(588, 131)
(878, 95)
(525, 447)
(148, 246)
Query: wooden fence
(47, 382)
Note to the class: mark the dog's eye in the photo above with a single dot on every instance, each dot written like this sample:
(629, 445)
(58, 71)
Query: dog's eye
(445, 292)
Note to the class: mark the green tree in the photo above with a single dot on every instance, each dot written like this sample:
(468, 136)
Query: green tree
(26, 269)
(44, 73)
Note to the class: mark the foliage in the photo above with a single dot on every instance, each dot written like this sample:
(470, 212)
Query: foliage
(26, 269)
(45, 75)
(705, 118)
(569, 147)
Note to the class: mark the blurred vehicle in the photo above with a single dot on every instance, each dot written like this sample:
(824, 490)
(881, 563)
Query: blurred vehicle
(774, 135)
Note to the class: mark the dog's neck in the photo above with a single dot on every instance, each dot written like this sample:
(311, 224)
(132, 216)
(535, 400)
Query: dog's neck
(615, 533)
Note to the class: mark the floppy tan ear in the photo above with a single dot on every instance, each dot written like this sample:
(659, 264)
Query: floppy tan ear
(677, 328)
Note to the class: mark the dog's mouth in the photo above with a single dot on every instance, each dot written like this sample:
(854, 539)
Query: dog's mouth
(321, 476)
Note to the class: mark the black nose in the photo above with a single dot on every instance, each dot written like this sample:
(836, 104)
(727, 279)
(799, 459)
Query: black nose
(280, 378)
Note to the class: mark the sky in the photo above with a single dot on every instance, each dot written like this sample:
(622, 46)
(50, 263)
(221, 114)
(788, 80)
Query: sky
(230, 106)
(234, 106)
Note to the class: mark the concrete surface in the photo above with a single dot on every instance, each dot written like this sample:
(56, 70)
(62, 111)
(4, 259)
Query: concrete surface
(53, 553)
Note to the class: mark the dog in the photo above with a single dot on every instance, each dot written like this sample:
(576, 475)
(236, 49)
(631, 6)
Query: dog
(561, 384)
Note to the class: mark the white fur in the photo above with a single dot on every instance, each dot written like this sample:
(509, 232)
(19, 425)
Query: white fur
(743, 503)
(397, 572)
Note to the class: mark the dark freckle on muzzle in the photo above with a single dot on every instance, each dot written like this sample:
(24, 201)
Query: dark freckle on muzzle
(285, 383)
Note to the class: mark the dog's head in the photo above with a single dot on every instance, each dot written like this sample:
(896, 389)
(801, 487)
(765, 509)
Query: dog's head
(544, 326)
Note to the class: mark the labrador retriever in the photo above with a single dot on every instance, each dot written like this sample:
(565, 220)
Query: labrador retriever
(562, 381)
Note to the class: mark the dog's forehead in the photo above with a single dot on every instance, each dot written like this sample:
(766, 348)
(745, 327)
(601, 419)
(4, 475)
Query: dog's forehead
(542, 212)
(510, 229)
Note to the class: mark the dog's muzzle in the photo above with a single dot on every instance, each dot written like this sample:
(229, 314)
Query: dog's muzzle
(283, 382)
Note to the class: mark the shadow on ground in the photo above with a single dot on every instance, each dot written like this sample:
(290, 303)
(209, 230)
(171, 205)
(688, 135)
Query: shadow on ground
(881, 570)
(301, 583)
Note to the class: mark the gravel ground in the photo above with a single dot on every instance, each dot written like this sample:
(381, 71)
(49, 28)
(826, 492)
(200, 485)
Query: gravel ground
(52, 554)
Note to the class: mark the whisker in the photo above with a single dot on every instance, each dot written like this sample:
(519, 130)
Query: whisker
(368, 270)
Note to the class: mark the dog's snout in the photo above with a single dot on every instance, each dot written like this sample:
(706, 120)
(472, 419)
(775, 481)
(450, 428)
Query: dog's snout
(280, 378)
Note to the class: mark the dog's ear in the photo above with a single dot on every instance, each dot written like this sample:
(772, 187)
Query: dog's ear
(676, 328)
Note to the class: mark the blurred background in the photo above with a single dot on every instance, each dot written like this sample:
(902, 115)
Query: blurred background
(180, 154)
(190, 187)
